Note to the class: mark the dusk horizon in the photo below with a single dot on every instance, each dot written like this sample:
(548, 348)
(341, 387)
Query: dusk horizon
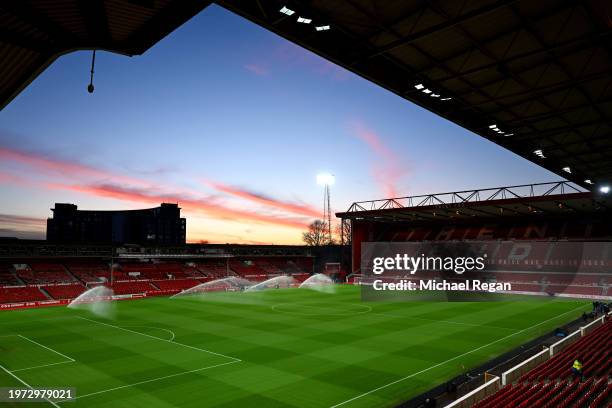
(233, 123)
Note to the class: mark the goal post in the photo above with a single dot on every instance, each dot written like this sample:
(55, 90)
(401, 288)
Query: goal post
(334, 270)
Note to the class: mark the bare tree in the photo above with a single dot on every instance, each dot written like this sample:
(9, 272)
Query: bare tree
(317, 234)
(343, 232)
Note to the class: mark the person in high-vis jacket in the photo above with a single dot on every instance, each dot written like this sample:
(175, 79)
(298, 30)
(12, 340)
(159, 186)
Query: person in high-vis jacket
(577, 369)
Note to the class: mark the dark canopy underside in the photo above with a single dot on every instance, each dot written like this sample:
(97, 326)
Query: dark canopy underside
(540, 71)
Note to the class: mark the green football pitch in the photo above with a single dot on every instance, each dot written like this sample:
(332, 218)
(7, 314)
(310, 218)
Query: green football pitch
(276, 348)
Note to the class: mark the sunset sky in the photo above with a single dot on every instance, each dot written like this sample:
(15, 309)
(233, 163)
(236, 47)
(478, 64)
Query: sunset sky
(233, 123)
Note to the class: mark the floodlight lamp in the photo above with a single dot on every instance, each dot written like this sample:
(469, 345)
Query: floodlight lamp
(604, 189)
(287, 11)
(325, 179)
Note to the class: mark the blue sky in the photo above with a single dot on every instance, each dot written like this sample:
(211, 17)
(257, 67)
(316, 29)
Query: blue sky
(234, 123)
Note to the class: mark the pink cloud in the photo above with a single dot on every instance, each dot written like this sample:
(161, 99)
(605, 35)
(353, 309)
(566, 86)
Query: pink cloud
(10, 178)
(387, 168)
(257, 69)
(22, 226)
(97, 182)
(146, 196)
(21, 220)
(259, 198)
(293, 55)
(61, 166)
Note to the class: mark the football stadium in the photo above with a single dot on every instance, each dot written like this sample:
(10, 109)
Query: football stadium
(479, 297)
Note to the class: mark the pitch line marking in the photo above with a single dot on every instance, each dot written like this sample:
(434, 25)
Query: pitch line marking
(41, 366)
(152, 380)
(444, 321)
(452, 359)
(345, 314)
(172, 335)
(160, 339)
(26, 384)
(47, 348)
(70, 359)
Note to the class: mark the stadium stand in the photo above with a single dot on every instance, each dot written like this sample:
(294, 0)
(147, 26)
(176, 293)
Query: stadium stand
(69, 291)
(89, 272)
(69, 278)
(550, 384)
(128, 288)
(141, 270)
(213, 268)
(176, 284)
(246, 268)
(264, 266)
(40, 273)
(7, 276)
(21, 294)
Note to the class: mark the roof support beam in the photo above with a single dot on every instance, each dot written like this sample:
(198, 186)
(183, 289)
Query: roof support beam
(22, 41)
(94, 15)
(162, 23)
(449, 23)
(24, 12)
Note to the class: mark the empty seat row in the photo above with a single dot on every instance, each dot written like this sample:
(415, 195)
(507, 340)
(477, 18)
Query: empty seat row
(549, 385)
(21, 294)
(61, 292)
(592, 393)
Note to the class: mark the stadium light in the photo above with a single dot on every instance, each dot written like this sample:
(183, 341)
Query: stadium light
(325, 179)
(493, 127)
(588, 181)
(604, 189)
(567, 170)
(427, 91)
(539, 153)
(304, 20)
(446, 99)
(287, 11)
(419, 86)
(322, 28)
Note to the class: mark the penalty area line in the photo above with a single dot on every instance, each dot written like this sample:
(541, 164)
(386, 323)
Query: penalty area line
(150, 380)
(47, 348)
(68, 359)
(26, 384)
(41, 366)
(234, 359)
(452, 359)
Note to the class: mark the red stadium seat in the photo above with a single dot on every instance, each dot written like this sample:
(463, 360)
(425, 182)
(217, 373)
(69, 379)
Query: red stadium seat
(21, 294)
(549, 384)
